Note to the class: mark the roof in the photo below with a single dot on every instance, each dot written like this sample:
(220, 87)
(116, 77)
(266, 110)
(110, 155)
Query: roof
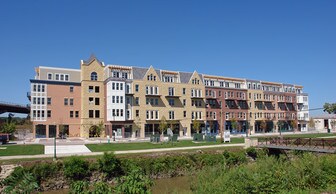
(139, 72)
(325, 116)
(185, 77)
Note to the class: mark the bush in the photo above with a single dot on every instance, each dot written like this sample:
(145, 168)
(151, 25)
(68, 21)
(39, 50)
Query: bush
(109, 165)
(234, 158)
(79, 187)
(101, 188)
(252, 152)
(270, 175)
(136, 182)
(20, 181)
(76, 168)
(42, 171)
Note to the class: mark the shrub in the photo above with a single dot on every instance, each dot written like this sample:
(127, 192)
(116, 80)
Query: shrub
(20, 181)
(76, 168)
(101, 188)
(109, 165)
(136, 182)
(234, 158)
(44, 170)
(252, 152)
(79, 187)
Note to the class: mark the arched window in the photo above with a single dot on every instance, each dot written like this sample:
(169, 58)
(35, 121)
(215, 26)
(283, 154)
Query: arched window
(94, 76)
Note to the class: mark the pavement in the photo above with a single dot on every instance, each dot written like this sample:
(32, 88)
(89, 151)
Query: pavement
(66, 149)
(117, 152)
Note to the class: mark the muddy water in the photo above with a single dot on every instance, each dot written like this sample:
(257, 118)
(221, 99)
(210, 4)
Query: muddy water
(161, 186)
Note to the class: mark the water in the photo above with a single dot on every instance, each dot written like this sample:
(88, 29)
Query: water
(161, 186)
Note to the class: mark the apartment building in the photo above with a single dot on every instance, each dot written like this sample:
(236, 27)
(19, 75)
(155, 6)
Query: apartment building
(131, 101)
(303, 109)
(56, 102)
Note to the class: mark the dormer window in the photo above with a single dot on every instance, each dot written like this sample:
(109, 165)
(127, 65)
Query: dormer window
(94, 76)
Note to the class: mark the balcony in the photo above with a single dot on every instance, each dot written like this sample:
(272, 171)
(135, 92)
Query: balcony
(197, 97)
(153, 95)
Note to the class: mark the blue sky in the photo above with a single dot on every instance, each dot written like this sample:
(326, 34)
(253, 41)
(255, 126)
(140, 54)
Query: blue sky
(282, 41)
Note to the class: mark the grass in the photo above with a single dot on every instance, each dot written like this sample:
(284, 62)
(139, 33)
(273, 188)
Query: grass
(129, 155)
(15, 150)
(147, 145)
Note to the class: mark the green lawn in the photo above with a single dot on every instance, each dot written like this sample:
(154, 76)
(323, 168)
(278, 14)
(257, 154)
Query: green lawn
(147, 145)
(14, 150)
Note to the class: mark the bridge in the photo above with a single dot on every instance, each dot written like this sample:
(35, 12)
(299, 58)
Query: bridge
(322, 145)
(14, 108)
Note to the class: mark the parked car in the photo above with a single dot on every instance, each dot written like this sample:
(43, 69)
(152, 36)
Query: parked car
(4, 138)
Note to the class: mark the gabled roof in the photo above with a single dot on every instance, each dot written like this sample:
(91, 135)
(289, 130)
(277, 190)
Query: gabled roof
(185, 77)
(139, 72)
(91, 59)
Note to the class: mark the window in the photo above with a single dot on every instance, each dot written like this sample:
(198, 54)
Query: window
(50, 76)
(94, 76)
(39, 88)
(71, 101)
(90, 89)
(183, 91)
(171, 102)
(48, 113)
(184, 102)
(121, 112)
(171, 91)
(117, 99)
(97, 114)
(137, 88)
(66, 77)
(117, 86)
(113, 86)
(90, 100)
(96, 101)
(34, 88)
(137, 113)
(38, 101)
(62, 77)
(65, 101)
(77, 114)
(156, 101)
(147, 114)
(57, 76)
(171, 115)
(71, 114)
(121, 86)
(42, 101)
(136, 100)
(184, 114)
(71, 88)
(48, 101)
(121, 99)
(97, 89)
(90, 113)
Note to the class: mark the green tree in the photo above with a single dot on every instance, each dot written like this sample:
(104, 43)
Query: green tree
(110, 165)
(8, 127)
(163, 125)
(20, 181)
(280, 125)
(196, 125)
(330, 108)
(234, 123)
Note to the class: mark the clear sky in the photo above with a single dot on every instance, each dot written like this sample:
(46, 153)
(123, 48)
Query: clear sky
(282, 40)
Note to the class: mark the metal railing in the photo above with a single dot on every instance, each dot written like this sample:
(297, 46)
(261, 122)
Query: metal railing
(311, 143)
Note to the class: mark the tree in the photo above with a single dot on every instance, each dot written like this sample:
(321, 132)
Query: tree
(311, 123)
(280, 125)
(294, 124)
(8, 127)
(196, 125)
(330, 108)
(234, 123)
(263, 125)
(163, 125)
